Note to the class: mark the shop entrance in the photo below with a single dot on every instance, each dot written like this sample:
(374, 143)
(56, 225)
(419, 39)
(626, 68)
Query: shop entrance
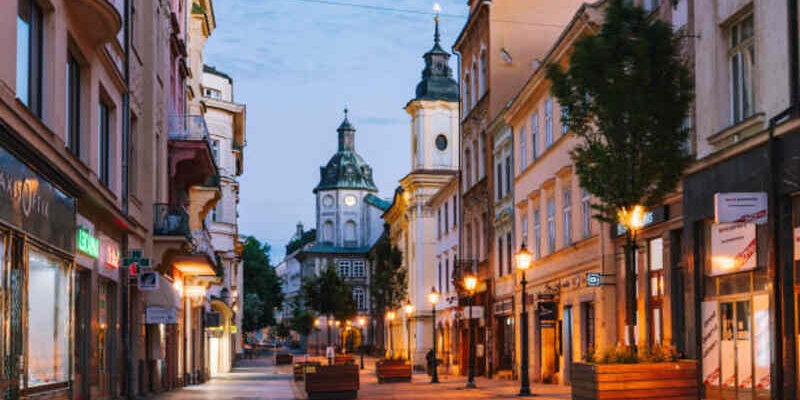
(567, 343)
(82, 337)
(505, 342)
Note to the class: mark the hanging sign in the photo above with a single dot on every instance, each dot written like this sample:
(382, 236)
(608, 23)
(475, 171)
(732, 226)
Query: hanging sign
(110, 254)
(161, 315)
(740, 207)
(148, 279)
(87, 243)
(733, 248)
(592, 279)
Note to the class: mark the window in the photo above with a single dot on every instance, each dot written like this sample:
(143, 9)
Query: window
(534, 135)
(468, 93)
(73, 105)
(215, 150)
(49, 317)
(523, 220)
(484, 72)
(359, 298)
(548, 123)
(474, 83)
(480, 167)
(500, 256)
(103, 145)
(212, 93)
(567, 216)
(508, 174)
(350, 234)
(455, 207)
(651, 5)
(30, 34)
(359, 269)
(344, 268)
(588, 326)
(564, 121)
(509, 252)
(447, 273)
(499, 183)
(216, 214)
(440, 277)
(741, 56)
(467, 169)
(656, 282)
(439, 223)
(327, 232)
(680, 13)
(551, 225)
(537, 234)
(523, 151)
(586, 213)
(446, 217)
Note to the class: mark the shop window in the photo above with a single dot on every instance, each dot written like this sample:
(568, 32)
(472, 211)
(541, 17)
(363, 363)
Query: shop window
(656, 296)
(30, 34)
(49, 319)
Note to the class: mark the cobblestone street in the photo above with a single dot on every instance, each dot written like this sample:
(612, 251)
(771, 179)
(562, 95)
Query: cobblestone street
(259, 379)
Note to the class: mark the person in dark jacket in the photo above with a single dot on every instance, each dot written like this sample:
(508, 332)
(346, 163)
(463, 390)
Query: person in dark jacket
(430, 358)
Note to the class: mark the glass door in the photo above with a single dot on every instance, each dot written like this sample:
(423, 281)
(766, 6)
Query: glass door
(736, 346)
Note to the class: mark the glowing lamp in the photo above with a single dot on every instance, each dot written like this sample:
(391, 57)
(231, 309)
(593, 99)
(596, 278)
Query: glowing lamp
(632, 218)
(523, 258)
(408, 308)
(470, 282)
(433, 296)
(390, 315)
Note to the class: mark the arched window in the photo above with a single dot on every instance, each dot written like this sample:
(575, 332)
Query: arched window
(468, 168)
(467, 93)
(327, 232)
(484, 72)
(360, 298)
(474, 83)
(350, 233)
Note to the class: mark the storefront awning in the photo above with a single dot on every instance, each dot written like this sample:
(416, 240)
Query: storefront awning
(194, 265)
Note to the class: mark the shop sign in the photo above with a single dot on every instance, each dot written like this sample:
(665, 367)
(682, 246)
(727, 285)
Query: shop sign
(34, 205)
(87, 243)
(161, 315)
(740, 207)
(147, 280)
(547, 310)
(710, 345)
(733, 248)
(234, 329)
(110, 254)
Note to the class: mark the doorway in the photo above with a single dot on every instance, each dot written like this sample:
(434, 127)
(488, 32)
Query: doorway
(567, 335)
(82, 337)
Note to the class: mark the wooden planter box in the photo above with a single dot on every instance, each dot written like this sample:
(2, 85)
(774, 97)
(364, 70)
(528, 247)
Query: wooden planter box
(332, 382)
(343, 359)
(282, 359)
(671, 380)
(299, 368)
(393, 371)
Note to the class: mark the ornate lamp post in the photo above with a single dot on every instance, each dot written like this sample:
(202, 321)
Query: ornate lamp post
(390, 316)
(470, 283)
(408, 308)
(523, 258)
(362, 321)
(433, 298)
(633, 220)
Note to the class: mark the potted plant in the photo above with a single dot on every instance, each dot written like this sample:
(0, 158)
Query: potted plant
(655, 372)
(393, 370)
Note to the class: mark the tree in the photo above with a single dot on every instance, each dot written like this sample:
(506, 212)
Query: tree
(260, 279)
(330, 295)
(626, 95)
(389, 286)
(253, 310)
(302, 320)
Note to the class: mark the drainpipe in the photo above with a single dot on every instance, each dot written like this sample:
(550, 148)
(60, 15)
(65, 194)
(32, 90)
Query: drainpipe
(126, 116)
(460, 188)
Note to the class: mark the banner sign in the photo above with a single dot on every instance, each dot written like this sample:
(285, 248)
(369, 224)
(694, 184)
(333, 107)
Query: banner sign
(33, 205)
(711, 335)
(762, 340)
(740, 207)
(733, 248)
(161, 315)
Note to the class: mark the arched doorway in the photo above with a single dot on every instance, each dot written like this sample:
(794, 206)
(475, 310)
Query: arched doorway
(219, 340)
(351, 339)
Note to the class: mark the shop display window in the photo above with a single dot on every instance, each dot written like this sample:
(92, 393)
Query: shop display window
(48, 315)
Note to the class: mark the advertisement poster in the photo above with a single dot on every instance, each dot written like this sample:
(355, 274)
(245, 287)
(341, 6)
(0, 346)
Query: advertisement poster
(740, 207)
(711, 336)
(761, 337)
(733, 248)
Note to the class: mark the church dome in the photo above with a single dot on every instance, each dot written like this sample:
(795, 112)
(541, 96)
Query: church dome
(346, 169)
(437, 78)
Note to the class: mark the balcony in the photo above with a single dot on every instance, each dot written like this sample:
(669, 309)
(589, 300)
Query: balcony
(170, 221)
(191, 161)
(102, 19)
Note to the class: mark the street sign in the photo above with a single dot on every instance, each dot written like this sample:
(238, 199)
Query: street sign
(161, 315)
(148, 280)
(740, 207)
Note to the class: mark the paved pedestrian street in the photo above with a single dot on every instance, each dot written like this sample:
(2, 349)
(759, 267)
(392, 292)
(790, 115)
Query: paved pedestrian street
(259, 379)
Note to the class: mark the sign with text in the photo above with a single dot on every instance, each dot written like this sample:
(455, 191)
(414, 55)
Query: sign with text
(87, 243)
(161, 315)
(740, 207)
(711, 337)
(733, 248)
(34, 205)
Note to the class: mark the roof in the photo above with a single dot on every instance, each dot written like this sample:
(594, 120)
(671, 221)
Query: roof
(346, 169)
(213, 70)
(437, 77)
(377, 201)
(322, 248)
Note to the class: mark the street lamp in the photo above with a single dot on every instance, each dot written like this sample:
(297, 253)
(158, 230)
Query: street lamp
(433, 298)
(523, 258)
(362, 321)
(633, 220)
(390, 315)
(470, 283)
(409, 310)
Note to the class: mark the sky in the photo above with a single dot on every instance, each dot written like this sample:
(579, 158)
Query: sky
(297, 64)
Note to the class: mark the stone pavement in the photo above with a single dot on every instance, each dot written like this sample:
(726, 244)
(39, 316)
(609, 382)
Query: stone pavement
(259, 379)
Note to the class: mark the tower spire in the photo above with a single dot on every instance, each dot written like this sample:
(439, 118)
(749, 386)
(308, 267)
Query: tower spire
(436, 8)
(346, 134)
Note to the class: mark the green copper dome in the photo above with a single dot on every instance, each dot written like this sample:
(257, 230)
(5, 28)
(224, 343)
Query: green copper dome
(346, 169)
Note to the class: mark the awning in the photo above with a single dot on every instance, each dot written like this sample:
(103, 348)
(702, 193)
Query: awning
(194, 265)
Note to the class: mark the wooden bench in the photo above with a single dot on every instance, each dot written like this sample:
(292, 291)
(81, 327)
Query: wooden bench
(393, 371)
(332, 382)
(282, 359)
(298, 369)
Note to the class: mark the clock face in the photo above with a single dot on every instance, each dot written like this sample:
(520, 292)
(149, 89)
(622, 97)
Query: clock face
(327, 201)
(350, 200)
(441, 142)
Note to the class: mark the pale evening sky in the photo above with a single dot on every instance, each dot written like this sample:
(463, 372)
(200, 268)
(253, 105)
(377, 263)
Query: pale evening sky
(297, 64)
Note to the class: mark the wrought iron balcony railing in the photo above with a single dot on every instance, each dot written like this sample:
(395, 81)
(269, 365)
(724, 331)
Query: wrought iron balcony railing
(170, 221)
(189, 127)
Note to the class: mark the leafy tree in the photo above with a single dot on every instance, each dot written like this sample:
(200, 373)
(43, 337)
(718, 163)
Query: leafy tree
(282, 331)
(302, 320)
(388, 281)
(253, 310)
(260, 279)
(330, 295)
(626, 94)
